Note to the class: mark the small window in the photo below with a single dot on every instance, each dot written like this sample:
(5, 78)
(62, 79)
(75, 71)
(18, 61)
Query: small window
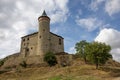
(43, 30)
(24, 44)
(40, 37)
(31, 48)
(27, 49)
(27, 38)
(59, 41)
(23, 39)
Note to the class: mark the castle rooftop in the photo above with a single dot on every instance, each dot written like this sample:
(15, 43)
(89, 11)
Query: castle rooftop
(37, 33)
(44, 13)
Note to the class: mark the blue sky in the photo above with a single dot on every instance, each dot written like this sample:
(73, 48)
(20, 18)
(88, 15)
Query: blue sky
(75, 20)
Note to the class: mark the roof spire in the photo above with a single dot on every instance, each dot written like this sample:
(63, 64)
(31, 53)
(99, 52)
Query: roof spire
(44, 13)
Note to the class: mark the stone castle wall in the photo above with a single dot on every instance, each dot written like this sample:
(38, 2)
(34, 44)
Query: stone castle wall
(56, 43)
(29, 45)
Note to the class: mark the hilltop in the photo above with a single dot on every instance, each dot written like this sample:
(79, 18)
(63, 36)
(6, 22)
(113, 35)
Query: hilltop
(77, 71)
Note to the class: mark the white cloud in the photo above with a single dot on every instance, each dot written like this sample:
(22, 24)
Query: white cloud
(111, 36)
(57, 9)
(112, 7)
(116, 54)
(89, 23)
(72, 50)
(95, 4)
(70, 45)
(18, 17)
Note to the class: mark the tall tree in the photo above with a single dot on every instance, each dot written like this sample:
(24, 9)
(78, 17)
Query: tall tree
(80, 49)
(98, 53)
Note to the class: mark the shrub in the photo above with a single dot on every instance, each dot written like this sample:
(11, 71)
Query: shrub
(23, 64)
(1, 62)
(50, 59)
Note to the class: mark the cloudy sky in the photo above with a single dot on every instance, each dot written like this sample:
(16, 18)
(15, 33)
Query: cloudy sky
(75, 20)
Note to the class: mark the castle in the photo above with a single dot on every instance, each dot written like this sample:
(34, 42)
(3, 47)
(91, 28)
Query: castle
(43, 41)
(35, 45)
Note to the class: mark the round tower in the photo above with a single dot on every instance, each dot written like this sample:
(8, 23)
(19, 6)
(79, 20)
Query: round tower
(43, 34)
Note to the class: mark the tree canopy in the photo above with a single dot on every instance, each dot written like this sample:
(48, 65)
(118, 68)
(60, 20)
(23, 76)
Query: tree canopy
(94, 52)
(80, 49)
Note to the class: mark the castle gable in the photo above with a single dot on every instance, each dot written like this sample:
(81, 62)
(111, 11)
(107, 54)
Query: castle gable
(32, 34)
(56, 35)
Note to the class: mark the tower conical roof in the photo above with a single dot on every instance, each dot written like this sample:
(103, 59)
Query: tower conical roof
(44, 13)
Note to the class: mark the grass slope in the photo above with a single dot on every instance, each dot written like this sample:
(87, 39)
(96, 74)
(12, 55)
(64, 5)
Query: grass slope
(78, 71)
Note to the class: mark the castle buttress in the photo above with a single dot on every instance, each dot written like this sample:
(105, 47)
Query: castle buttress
(43, 41)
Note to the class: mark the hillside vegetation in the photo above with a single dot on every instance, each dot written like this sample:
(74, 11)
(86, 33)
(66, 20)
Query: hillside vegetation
(77, 71)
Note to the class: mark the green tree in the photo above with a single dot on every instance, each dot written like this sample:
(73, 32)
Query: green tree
(50, 59)
(80, 49)
(98, 53)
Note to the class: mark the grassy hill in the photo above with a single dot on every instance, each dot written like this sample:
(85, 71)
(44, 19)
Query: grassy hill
(77, 71)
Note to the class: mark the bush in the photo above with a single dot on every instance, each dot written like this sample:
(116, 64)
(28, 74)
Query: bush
(50, 59)
(1, 62)
(23, 64)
